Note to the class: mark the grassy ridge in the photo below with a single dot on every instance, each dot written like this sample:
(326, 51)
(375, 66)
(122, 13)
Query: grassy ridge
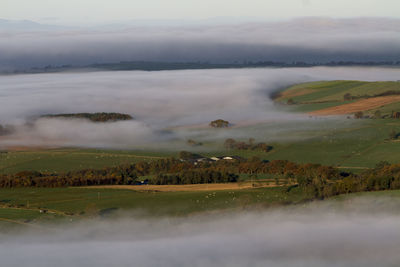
(334, 90)
(318, 95)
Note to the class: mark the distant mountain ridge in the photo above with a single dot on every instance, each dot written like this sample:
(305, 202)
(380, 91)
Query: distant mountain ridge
(27, 25)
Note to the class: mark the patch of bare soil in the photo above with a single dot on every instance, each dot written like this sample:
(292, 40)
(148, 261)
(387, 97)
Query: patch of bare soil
(361, 105)
(188, 187)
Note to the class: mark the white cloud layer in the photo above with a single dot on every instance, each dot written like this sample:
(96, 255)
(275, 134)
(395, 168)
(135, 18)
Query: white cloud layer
(310, 39)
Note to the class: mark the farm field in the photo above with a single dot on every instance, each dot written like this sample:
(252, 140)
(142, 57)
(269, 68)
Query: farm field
(360, 144)
(70, 205)
(67, 159)
(21, 206)
(327, 98)
(191, 187)
(355, 145)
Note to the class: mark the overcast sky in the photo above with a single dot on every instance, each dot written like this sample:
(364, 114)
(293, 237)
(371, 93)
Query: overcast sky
(105, 11)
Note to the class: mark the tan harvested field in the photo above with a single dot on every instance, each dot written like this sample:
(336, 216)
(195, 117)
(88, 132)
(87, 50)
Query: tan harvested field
(361, 105)
(187, 187)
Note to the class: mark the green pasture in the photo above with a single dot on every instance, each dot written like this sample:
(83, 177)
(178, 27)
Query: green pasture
(357, 144)
(333, 91)
(362, 146)
(23, 205)
(63, 160)
(74, 204)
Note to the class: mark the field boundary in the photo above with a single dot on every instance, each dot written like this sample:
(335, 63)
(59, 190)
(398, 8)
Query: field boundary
(361, 105)
(187, 187)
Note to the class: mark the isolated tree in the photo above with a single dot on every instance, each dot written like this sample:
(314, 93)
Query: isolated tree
(358, 115)
(219, 123)
(347, 97)
(188, 155)
(192, 142)
(6, 129)
(291, 101)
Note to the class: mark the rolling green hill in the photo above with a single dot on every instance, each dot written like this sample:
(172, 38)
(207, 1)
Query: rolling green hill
(314, 96)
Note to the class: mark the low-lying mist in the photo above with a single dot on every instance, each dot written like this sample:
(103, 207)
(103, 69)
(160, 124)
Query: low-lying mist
(304, 39)
(166, 105)
(361, 232)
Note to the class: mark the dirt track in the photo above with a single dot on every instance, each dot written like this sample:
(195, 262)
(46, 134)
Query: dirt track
(189, 187)
(361, 105)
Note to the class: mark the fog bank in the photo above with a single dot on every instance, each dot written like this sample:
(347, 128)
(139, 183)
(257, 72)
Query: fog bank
(308, 39)
(323, 235)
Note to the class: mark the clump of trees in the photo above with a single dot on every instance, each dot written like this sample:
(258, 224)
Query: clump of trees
(251, 145)
(395, 115)
(185, 155)
(347, 97)
(6, 130)
(219, 123)
(388, 93)
(358, 115)
(201, 176)
(291, 101)
(192, 142)
(383, 177)
(95, 117)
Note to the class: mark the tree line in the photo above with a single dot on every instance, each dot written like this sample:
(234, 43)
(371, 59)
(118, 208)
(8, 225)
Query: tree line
(166, 171)
(198, 176)
(95, 117)
(318, 181)
(384, 176)
(231, 143)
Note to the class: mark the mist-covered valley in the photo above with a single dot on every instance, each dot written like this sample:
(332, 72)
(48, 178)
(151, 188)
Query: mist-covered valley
(199, 133)
(166, 105)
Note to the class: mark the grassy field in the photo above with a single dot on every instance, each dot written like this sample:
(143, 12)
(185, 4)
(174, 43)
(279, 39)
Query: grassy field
(334, 90)
(22, 206)
(354, 146)
(320, 95)
(63, 160)
(363, 145)
(360, 144)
